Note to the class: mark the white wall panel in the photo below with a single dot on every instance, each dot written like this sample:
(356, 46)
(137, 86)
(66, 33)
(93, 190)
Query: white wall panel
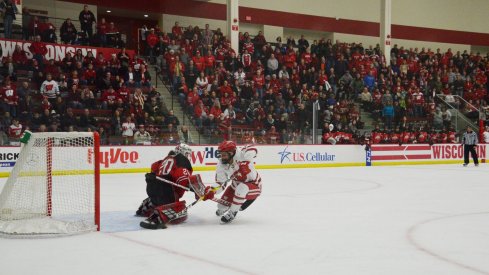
(468, 15)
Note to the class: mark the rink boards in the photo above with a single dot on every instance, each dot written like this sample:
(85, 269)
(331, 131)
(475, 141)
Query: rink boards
(127, 159)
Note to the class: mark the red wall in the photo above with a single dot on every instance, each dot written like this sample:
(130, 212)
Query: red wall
(294, 20)
(129, 26)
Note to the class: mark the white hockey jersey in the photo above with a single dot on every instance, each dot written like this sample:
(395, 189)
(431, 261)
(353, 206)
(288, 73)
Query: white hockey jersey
(245, 154)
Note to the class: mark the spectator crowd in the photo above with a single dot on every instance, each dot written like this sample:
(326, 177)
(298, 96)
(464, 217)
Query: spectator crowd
(264, 92)
(89, 32)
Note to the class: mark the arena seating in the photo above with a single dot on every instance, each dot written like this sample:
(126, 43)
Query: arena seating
(270, 86)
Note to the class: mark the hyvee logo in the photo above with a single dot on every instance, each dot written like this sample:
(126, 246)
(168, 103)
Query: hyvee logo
(114, 156)
(204, 157)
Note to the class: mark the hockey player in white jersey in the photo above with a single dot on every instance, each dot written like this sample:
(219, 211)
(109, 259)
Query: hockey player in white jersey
(235, 165)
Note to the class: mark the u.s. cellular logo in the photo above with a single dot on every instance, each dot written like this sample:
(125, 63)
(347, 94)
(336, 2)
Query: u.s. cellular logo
(289, 156)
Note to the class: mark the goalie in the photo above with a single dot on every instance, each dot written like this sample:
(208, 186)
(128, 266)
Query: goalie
(165, 185)
(236, 165)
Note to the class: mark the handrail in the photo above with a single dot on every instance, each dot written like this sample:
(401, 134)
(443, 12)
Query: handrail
(51, 17)
(462, 116)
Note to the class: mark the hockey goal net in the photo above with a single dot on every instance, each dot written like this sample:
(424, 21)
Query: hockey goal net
(53, 189)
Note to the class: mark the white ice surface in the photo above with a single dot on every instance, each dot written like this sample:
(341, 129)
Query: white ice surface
(359, 220)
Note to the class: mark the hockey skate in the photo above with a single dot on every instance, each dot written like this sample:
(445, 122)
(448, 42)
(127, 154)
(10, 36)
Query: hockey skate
(220, 212)
(154, 222)
(229, 217)
(139, 213)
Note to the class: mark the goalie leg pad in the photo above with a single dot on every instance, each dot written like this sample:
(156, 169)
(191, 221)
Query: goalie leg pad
(171, 213)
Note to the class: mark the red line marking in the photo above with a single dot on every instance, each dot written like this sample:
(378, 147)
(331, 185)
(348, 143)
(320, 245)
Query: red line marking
(211, 163)
(410, 237)
(183, 255)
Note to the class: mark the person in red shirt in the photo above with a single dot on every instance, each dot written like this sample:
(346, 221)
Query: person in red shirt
(109, 98)
(102, 28)
(225, 89)
(19, 57)
(38, 50)
(216, 109)
(89, 75)
(151, 40)
(290, 59)
(210, 63)
(199, 61)
(192, 99)
(8, 97)
(124, 93)
(176, 30)
(200, 113)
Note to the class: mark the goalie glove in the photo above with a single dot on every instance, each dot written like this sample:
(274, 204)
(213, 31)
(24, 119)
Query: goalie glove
(241, 174)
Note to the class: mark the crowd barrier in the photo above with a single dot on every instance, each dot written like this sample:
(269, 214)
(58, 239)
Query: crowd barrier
(138, 159)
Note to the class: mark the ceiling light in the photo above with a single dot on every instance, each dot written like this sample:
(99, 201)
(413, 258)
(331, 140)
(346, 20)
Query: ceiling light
(145, 15)
(109, 11)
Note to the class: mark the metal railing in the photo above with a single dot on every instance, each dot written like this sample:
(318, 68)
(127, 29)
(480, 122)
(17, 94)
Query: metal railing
(457, 109)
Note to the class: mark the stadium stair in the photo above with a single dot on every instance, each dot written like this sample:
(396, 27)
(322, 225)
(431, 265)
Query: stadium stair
(171, 103)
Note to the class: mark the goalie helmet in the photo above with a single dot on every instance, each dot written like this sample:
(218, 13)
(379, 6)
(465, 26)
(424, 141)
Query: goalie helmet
(183, 149)
(228, 147)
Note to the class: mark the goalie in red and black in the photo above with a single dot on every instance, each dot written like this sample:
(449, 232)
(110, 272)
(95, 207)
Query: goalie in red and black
(165, 185)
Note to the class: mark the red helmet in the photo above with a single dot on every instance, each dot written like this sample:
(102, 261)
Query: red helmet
(227, 146)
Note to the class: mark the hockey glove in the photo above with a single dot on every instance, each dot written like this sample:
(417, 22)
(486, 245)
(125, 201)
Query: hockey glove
(242, 173)
(209, 193)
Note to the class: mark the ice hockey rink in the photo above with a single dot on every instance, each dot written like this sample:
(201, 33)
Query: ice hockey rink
(355, 220)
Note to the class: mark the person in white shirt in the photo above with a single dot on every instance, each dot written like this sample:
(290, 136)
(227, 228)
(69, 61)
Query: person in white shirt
(486, 135)
(128, 129)
(230, 113)
(142, 137)
(240, 76)
(50, 88)
(202, 83)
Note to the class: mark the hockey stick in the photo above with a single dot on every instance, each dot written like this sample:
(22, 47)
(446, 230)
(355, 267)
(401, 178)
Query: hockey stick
(221, 201)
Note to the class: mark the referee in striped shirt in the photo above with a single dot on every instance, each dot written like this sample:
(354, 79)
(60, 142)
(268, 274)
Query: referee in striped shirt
(470, 141)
